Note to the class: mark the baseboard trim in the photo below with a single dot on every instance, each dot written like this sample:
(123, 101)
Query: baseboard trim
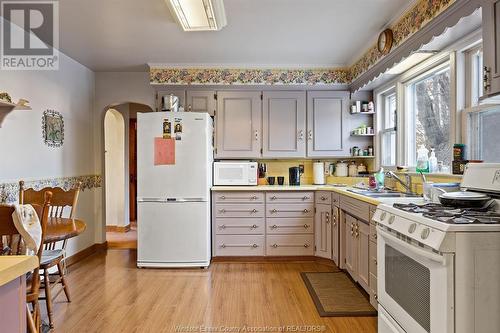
(79, 256)
(253, 259)
(117, 228)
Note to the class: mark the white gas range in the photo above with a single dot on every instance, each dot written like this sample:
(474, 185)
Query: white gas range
(439, 268)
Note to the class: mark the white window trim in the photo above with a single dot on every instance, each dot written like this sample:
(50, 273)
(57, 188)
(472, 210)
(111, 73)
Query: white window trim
(401, 82)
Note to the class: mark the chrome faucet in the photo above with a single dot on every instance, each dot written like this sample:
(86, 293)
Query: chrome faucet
(406, 184)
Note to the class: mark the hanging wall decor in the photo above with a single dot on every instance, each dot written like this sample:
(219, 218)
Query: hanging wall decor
(53, 128)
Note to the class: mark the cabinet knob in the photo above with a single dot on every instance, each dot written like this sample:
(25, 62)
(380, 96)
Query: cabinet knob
(254, 197)
(275, 245)
(274, 226)
(254, 226)
(222, 211)
(300, 135)
(306, 226)
(273, 197)
(323, 198)
(375, 236)
(274, 211)
(223, 245)
(310, 134)
(305, 198)
(254, 210)
(305, 211)
(376, 263)
(306, 245)
(256, 135)
(375, 296)
(223, 197)
(255, 245)
(223, 226)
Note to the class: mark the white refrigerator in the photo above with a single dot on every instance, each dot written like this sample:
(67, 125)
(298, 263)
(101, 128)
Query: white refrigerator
(173, 199)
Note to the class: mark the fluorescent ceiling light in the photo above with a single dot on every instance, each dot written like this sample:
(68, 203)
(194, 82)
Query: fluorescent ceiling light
(411, 61)
(199, 15)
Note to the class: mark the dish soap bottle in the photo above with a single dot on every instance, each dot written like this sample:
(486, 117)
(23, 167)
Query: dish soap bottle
(422, 159)
(433, 162)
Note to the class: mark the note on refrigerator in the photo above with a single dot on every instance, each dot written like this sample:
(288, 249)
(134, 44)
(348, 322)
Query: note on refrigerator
(164, 151)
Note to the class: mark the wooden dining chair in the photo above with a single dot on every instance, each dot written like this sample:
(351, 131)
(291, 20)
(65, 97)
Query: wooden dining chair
(11, 243)
(63, 204)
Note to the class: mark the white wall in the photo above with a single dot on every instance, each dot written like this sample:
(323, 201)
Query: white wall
(114, 127)
(23, 155)
(112, 89)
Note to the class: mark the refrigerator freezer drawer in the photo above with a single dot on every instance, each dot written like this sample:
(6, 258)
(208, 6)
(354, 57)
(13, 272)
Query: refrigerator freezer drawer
(173, 234)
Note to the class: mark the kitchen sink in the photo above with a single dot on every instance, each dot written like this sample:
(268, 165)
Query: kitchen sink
(384, 194)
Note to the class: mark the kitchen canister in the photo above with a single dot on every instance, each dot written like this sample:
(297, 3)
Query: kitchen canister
(341, 169)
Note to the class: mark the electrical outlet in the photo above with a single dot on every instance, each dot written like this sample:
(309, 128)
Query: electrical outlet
(301, 168)
(496, 178)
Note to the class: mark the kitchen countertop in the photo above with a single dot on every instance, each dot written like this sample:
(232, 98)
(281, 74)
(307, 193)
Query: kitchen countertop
(340, 190)
(12, 267)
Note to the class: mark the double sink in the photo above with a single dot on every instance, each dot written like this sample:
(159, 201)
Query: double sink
(384, 194)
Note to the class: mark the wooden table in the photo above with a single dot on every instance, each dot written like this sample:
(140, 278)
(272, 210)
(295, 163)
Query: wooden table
(59, 229)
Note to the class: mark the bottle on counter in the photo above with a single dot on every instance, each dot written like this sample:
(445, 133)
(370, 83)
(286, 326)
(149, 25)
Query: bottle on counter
(433, 162)
(422, 159)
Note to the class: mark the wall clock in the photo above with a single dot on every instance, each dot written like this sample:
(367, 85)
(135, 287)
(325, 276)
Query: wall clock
(385, 41)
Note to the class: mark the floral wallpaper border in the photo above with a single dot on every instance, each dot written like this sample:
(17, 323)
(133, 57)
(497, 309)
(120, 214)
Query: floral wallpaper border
(225, 76)
(412, 21)
(9, 192)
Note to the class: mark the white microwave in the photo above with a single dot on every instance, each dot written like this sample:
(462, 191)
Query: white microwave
(235, 173)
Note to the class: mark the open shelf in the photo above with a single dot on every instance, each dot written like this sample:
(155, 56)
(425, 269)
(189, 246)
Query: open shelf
(6, 108)
(362, 113)
(352, 134)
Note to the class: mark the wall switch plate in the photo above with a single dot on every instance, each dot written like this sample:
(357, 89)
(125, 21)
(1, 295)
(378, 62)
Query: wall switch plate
(301, 168)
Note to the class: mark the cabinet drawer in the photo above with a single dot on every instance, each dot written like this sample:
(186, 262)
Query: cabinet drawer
(295, 210)
(289, 197)
(239, 210)
(239, 226)
(373, 258)
(290, 226)
(355, 207)
(290, 245)
(323, 197)
(239, 245)
(239, 197)
(335, 199)
(373, 232)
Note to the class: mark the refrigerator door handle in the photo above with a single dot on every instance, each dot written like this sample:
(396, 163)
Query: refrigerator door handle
(151, 200)
(186, 200)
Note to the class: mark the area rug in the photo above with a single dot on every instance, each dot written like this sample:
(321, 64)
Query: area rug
(336, 295)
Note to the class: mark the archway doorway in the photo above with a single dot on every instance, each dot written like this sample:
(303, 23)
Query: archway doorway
(120, 168)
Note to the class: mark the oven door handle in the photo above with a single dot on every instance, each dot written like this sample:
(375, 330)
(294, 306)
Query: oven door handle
(429, 255)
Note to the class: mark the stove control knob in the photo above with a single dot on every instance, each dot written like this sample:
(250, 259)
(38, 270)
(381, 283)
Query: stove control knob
(425, 233)
(412, 228)
(391, 219)
(383, 215)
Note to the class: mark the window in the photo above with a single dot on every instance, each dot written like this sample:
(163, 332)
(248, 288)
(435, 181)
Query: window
(482, 133)
(475, 62)
(388, 130)
(429, 114)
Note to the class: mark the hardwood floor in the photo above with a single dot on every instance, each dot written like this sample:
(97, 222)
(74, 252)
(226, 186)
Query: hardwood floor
(111, 295)
(122, 240)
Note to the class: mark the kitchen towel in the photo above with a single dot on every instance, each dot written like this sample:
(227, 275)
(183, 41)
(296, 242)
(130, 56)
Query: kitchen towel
(27, 223)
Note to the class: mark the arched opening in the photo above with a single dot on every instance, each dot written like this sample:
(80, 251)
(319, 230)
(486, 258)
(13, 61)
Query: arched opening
(120, 165)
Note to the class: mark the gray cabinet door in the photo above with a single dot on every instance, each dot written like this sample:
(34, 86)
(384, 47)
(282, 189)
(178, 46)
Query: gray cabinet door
(284, 124)
(362, 234)
(327, 132)
(351, 247)
(201, 101)
(491, 46)
(335, 235)
(179, 92)
(238, 124)
(323, 231)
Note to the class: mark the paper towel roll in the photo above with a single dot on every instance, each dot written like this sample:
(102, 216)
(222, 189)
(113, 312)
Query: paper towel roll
(318, 173)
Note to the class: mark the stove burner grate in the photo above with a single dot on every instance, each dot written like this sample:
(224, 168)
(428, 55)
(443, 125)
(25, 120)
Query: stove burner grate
(453, 215)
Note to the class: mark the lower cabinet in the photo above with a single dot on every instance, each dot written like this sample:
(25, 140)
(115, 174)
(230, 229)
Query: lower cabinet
(357, 250)
(323, 231)
(336, 235)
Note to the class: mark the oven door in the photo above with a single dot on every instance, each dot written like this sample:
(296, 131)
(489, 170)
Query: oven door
(415, 285)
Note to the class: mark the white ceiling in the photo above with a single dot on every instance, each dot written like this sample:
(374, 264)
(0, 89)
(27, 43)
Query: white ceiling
(124, 35)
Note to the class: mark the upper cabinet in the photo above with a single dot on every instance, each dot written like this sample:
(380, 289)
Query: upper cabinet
(327, 132)
(179, 92)
(284, 124)
(201, 101)
(238, 124)
(491, 46)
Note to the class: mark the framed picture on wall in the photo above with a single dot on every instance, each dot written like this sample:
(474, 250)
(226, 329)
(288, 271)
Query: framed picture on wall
(53, 128)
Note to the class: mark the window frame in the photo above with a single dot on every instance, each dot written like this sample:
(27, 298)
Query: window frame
(400, 82)
(391, 91)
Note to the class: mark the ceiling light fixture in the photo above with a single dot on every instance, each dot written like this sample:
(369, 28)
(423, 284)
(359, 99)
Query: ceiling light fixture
(199, 15)
(411, 61)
